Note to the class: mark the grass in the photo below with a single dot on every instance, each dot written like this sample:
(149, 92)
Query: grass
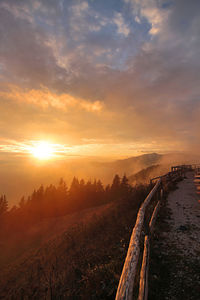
(85, 262)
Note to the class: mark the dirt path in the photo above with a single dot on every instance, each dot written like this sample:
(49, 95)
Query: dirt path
(175, 254)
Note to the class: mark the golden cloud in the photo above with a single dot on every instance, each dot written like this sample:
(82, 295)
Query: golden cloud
(45, 98)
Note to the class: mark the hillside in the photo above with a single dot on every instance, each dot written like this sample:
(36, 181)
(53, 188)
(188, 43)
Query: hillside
(135, 164)
(24, 242)
(146, 174)
(70, 242)
(131, 164)
(79, 258)
(156, 165)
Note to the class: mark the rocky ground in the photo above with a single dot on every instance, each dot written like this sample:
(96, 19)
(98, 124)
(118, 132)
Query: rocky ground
(175, 251)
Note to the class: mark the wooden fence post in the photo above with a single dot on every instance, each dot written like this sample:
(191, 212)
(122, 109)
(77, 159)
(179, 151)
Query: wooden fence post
(127, 279)
(143, 290)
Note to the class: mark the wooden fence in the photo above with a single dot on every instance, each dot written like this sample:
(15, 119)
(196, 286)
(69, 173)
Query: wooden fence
(133, 282)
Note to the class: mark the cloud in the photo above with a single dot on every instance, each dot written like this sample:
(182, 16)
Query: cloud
(128, 72)
(152, 11)
(91, 148)
(43, 98)
(79, 8)
(19, 12)
(122, 27)
(23, 52)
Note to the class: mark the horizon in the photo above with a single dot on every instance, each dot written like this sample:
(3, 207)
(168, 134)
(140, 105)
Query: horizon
(20, 177)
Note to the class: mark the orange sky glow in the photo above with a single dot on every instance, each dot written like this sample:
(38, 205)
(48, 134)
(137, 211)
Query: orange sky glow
(97, 79)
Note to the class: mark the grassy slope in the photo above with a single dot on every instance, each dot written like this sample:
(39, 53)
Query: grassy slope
(84, 262)
(33, 237)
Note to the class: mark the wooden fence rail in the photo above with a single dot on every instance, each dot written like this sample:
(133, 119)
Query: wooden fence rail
(130, 287)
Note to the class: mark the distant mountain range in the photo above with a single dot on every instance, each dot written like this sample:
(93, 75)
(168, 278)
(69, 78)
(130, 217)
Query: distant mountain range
(132, 164)
(21, 176)
(135, 164)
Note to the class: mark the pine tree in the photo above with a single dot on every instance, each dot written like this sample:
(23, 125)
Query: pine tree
(116, 183)
(22, 202)
(125, 187)
(74, 185)
(115, 188)
(3, 204)
(99, 187)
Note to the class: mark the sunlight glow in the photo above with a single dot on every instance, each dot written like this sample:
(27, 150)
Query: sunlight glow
(43, 150)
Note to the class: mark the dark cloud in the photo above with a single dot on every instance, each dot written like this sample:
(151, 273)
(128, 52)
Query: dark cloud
(24, 54)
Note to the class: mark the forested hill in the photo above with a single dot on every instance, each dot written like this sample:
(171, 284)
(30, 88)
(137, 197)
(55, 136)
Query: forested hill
(83, 256)
(145, 174)
(54, 202)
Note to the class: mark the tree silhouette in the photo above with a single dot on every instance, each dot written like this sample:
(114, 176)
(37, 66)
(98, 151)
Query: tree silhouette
(3, 204)
(52, 201)
(125, 187)
(115, 188)
(22, 202)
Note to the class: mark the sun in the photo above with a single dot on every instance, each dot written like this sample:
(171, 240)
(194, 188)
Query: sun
(42, 151)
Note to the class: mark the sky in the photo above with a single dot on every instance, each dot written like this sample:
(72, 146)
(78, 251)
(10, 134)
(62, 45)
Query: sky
(99, 77)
